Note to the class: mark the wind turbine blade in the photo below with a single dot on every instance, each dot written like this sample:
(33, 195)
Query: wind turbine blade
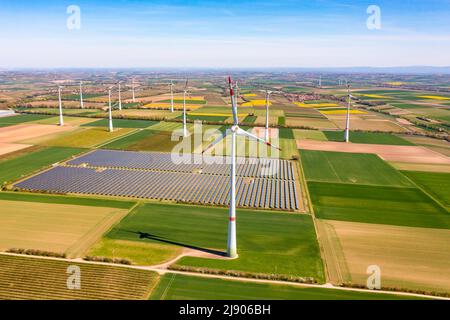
(218, 140)
(244, 133)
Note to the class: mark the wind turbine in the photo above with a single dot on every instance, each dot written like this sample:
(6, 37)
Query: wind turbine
(185, 91)
(61, 120)
(235, 131)
(120, 99)
(320, 81)
(111, 129)
(81, 95)
(171, 95)
(347, 124)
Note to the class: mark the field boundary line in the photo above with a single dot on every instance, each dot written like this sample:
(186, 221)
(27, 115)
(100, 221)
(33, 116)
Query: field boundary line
(424, 191)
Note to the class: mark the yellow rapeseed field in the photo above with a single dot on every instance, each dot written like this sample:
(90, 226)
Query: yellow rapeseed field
(315, 105)
(375, 96)
(395, 83)
(435, 97)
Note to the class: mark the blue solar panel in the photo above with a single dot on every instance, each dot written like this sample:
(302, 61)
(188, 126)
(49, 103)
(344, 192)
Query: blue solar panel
(154, 176)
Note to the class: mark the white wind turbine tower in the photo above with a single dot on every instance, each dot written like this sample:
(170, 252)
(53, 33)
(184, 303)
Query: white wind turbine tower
(320, 81)
(61, 119)
(120, 98)
(268, 93)
(111, 129)
(171, 95)
(81, 95)
(185, 92)
(235, 131)
(347, 123)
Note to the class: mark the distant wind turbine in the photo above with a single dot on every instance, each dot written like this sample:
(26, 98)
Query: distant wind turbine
(347, 123)
(132, 88)
(120, 99)
(171, 95)
(111, 129)
(235, 131)
(81, 95)
(61, 119)
(185, 92)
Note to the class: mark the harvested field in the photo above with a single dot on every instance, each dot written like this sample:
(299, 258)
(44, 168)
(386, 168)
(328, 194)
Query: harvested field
(21, 132)
(370, 125)
(54, 227)
(32, 278)
(310, 122)
(409, 258)
(147, 114)
(11, 147)
(413, 154)
(405, 166)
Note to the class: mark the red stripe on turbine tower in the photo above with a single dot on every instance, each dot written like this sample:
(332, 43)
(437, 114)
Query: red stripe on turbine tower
(231, 87)
(233, 219)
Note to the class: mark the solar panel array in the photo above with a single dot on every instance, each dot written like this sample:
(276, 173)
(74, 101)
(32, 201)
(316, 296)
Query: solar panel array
(246, 167)
(155, 176)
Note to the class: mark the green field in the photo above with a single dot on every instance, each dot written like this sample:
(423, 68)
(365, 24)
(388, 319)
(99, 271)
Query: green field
(352, 168)
(368, 137)
(148, 140)
(375, 204)
(249, 120)
(85, 137)
(121, 123)
(436, 184)
(27, 278)
(285, 133)
(130, 140)
(267, 242)
(180, 287)
(23, 165)
(57, 199)
(18, 119)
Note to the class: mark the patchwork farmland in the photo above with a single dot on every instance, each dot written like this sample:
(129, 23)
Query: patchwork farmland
(144, 223)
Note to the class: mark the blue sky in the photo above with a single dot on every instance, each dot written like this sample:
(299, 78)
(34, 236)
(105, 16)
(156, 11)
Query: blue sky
(206, 33)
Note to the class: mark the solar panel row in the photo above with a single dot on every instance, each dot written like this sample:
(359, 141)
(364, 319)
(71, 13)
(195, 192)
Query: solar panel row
(164, 185)
(246, 167)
